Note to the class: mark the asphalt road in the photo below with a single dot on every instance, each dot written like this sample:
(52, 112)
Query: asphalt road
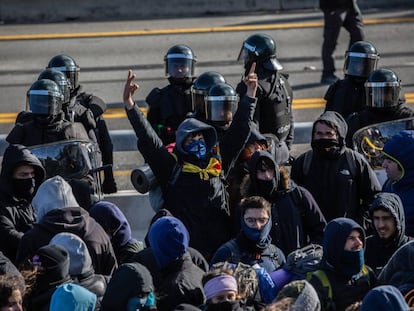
(106, 50)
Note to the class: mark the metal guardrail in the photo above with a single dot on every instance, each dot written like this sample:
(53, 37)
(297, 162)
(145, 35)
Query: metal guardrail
(125, 140)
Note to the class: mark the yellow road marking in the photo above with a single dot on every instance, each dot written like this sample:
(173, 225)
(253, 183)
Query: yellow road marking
(146, 32)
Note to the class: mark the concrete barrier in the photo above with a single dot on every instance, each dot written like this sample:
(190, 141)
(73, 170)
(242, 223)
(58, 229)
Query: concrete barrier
(45, 11)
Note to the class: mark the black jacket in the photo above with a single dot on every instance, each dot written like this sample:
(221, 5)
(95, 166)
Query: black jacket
(331, 181)
(167, 108)
(346, 96)
(201, 204)
(37, 133)
(273, 113)
(16, 215)
(181, 283)
(75, 220)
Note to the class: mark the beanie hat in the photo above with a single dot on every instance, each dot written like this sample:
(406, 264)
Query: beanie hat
(169, 240)
(72, 297)
(53, 262)
(80, 260)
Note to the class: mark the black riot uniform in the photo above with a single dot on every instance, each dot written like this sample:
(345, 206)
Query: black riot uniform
(347, 95)
(169, 106)
(87, 109)
(47, 122)
(274, 95)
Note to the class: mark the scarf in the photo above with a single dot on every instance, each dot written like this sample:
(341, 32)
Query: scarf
(213, 168)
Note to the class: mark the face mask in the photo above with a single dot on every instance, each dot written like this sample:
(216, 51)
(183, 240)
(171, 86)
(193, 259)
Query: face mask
(260, 237)
(198, 148)
(224, 306)
(327, 148)
(23, 188)
(265, 188)
(352, 262)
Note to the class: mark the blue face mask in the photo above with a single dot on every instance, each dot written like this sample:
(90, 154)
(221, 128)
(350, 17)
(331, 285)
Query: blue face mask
(137, 303)
(352, 262)
(260, 237)
(198, 148)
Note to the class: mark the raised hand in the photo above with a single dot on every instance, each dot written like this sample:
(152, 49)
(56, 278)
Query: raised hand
(251, 81)
(129, 90)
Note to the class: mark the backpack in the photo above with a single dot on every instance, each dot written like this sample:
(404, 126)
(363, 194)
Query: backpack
(323, 278)
(238, 256)
(304, 260)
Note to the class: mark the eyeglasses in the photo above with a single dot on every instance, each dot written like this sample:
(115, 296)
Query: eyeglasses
(253, 221)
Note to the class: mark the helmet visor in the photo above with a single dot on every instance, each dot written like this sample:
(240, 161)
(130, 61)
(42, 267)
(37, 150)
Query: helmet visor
(221, 108)
(179, 66)
(360, 64)
(382, 94)
(71, 73)
(44, 102)
(197, 101)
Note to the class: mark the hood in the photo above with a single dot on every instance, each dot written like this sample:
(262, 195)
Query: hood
(392, 203)
(16, 155)
(192, 125)
(306, 298)
(399, 148)
(336, 119)
(334, 238)
(54, 193)
(128, 281)
(384, 298)
(114, 222)
(169, 240)
(161, 213)
(254, 160)
(80, 262)
(69, 297)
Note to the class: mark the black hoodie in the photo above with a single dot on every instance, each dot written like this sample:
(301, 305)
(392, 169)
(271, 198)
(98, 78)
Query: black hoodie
(379, 251)
(199, 203)
(339, 190)
(16, 214)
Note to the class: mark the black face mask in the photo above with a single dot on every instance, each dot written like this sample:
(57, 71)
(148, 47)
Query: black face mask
(266, 188)
(326, 148)
(224, 306)
(23, 188)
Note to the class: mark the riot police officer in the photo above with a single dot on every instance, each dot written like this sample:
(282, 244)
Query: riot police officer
(200, 89)
(383, 101)
(87, 109)
(48, 123)
(274, 95)
(347, 96)
(169, 106)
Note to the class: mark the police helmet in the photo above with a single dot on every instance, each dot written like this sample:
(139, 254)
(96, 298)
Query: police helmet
(60, 79)
(221, 103)
(259, 48)
(179, 62)
(45, 98)
(361, 58)
(68, 66)
(200, 89)
(382, 89)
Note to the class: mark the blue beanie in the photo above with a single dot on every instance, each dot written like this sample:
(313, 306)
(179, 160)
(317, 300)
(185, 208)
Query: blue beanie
(169, 240)
(72, 297)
